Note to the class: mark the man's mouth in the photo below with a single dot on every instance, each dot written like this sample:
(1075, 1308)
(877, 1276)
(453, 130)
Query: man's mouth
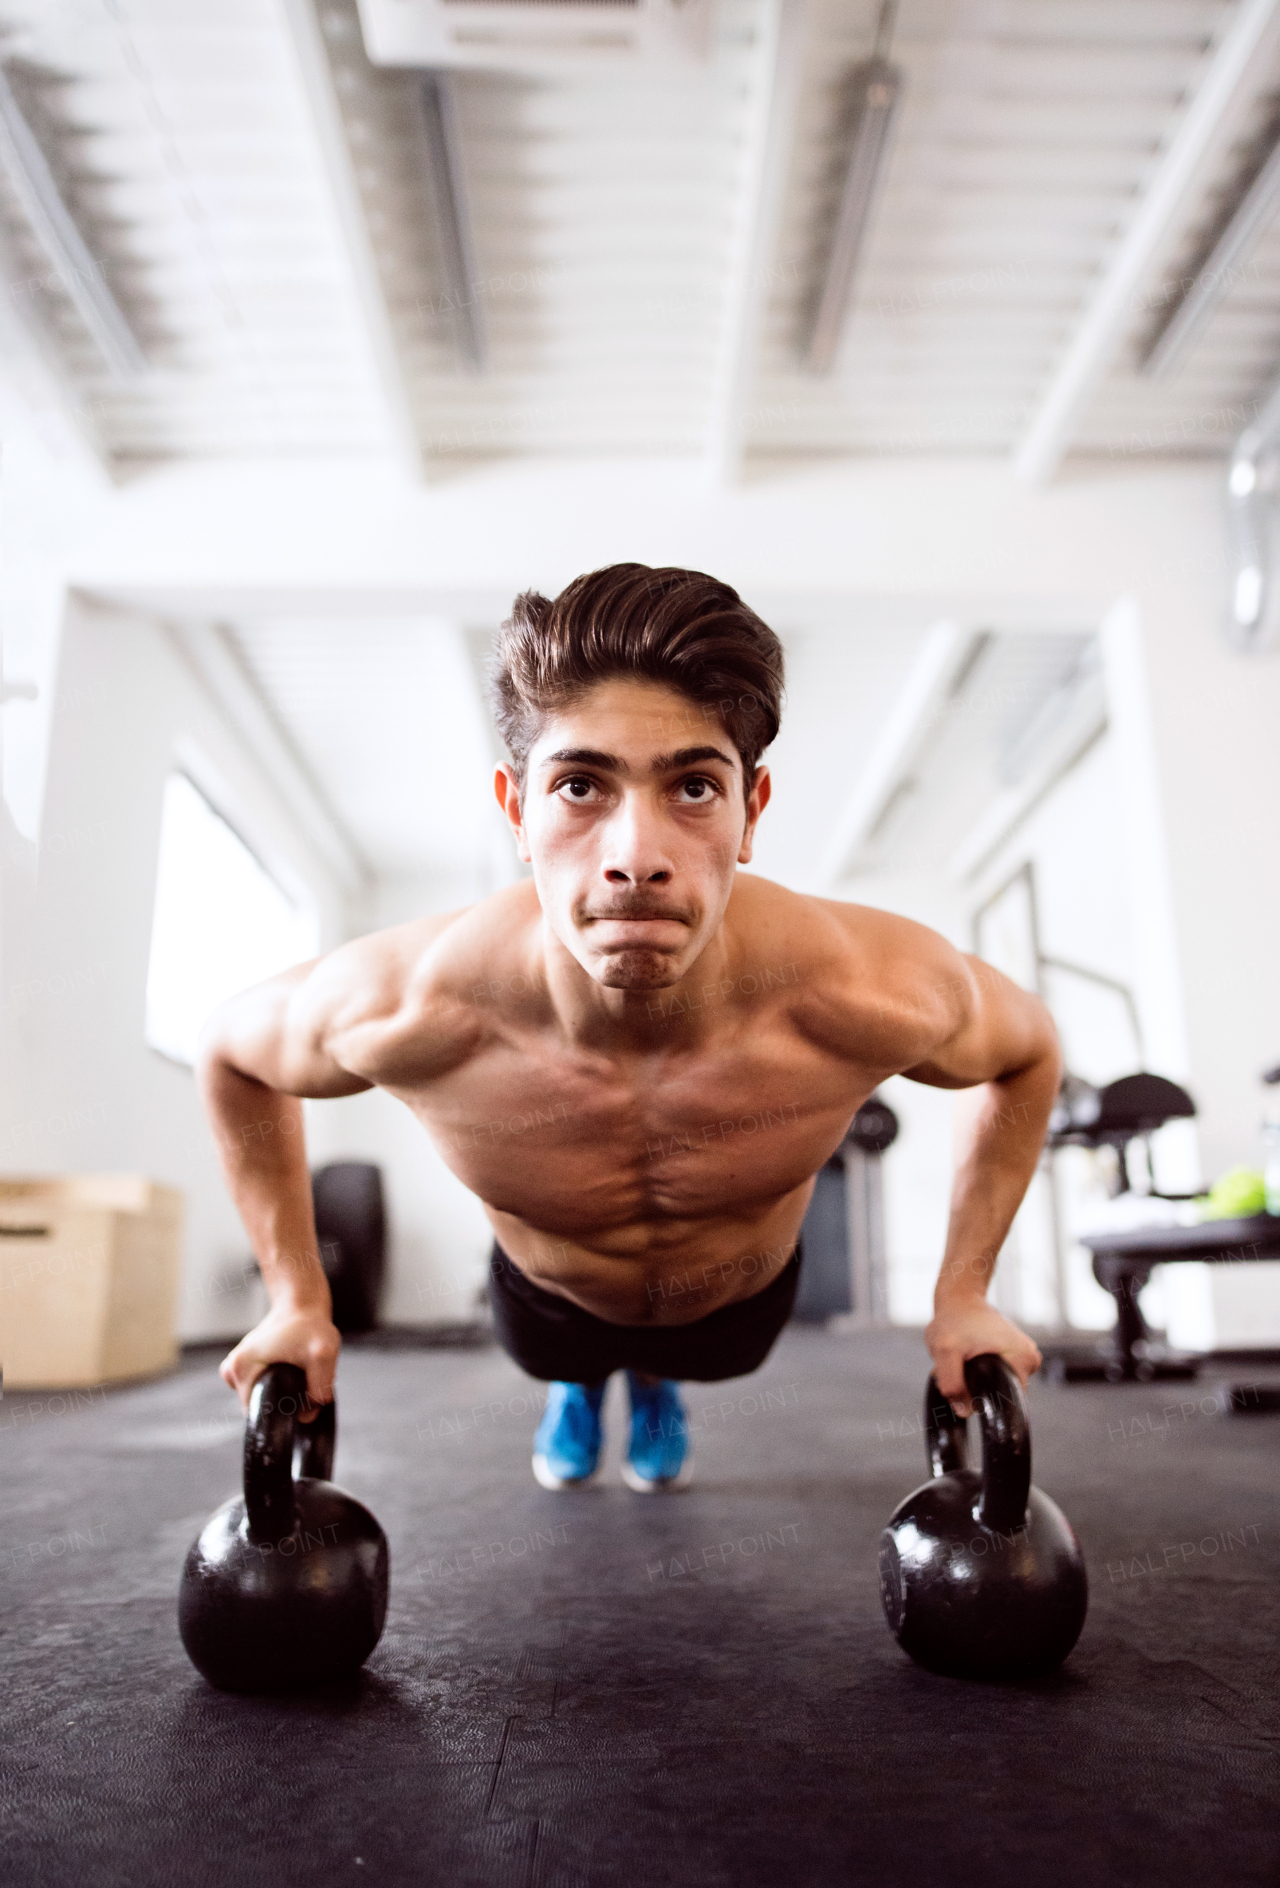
(636, 917)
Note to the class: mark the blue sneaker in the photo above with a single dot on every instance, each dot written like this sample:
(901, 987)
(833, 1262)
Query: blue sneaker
(658, 1452)
(566, 1448)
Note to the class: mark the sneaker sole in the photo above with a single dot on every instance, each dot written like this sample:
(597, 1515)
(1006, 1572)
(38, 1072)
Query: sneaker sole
(641, 1485)
(545, 1478)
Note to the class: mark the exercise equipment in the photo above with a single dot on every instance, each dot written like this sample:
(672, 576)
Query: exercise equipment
(287, 1587)
(874, 1128)
(1130, 1109)
(843, 1233)
(980, 1574)
(351, 1228)
(1123, 1263)
(1125, 1111)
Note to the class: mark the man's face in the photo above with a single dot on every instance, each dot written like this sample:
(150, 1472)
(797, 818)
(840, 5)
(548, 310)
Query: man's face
(633, 818)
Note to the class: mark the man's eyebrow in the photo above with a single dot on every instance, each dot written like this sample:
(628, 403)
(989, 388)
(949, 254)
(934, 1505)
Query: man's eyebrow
(685, 757)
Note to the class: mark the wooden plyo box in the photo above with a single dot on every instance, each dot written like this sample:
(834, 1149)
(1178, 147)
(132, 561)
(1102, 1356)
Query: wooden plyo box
(89, 1272)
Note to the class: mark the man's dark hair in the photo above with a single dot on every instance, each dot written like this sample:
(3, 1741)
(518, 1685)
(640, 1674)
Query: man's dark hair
(680, 627)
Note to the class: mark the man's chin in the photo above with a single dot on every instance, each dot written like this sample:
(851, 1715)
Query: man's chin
(637, 970)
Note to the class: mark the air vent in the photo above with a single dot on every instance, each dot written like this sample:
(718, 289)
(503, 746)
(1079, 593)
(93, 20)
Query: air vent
(534, 35)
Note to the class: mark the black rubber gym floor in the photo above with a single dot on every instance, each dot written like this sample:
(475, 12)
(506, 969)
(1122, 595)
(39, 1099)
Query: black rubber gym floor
(602, 1688)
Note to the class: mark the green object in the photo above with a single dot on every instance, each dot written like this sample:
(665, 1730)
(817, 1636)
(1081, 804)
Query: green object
(1239, 1194)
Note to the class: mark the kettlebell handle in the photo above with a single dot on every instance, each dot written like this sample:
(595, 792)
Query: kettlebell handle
(275, 1402)
(1006, 1439)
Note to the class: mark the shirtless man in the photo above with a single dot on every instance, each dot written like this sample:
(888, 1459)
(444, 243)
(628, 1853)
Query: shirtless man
(639, 1059)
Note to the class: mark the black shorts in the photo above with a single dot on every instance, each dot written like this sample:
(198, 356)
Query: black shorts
(561, 1343)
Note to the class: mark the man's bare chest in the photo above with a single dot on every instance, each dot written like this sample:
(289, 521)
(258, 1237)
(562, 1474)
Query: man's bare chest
(581, 1141)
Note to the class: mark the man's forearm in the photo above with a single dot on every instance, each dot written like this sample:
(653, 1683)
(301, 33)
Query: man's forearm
(262, 1151)
(998, 1147)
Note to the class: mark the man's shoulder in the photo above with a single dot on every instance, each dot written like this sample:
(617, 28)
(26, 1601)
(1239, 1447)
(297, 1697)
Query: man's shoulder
(832, 929)
(439, 967)
(861, 972)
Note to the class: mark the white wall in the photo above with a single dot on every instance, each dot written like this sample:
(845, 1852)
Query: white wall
(45, 485)
(95, 1097)
(46, 493)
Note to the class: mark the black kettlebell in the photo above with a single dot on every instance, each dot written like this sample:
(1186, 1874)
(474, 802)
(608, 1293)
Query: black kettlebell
(288, 1587)
(981, 1575)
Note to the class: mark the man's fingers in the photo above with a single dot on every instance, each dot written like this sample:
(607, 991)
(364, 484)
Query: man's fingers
(319, 1390)
(321, 1367)
(1024, 1360)
(232, 1372)
(948, 1374)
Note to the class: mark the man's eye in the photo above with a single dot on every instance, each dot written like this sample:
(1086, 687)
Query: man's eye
(578, 788)
(698, 789)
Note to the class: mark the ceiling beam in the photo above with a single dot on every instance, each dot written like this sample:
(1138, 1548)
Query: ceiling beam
(215, 661)
(326, 115)
(1068, 742)
(33, 374)
(80, 276)
(777, 72)
(447, 177)
(939, 666)
(1250, 206)
(876, 93)
(1237, 70)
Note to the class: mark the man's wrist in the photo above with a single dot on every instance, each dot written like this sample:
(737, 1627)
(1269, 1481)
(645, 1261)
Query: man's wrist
(959, 1307)
(959, 1293)
(295, 1281)
(964, 1279)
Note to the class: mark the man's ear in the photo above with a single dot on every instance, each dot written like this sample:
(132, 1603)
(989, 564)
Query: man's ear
(507, 788)
(757, 800)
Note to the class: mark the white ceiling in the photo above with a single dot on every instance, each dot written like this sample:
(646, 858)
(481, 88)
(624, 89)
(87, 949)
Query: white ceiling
(257, 195)
(609, 213)
(1029, 130)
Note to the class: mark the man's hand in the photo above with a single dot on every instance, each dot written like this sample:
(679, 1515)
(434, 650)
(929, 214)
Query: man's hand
(287, 1335)
(970, 1328)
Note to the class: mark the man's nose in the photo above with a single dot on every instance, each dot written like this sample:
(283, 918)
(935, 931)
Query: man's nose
(636, 851)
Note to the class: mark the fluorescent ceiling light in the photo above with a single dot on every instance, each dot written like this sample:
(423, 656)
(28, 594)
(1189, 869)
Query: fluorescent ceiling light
(876, 89)
(1251, 205)
(1253, 614)
(460, 277)
(1248, 597)
(24, 164)
(533, 35)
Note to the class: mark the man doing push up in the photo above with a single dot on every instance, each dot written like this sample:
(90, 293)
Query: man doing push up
(683, 1045)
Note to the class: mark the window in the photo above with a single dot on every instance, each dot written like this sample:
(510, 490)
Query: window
(221, 922)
